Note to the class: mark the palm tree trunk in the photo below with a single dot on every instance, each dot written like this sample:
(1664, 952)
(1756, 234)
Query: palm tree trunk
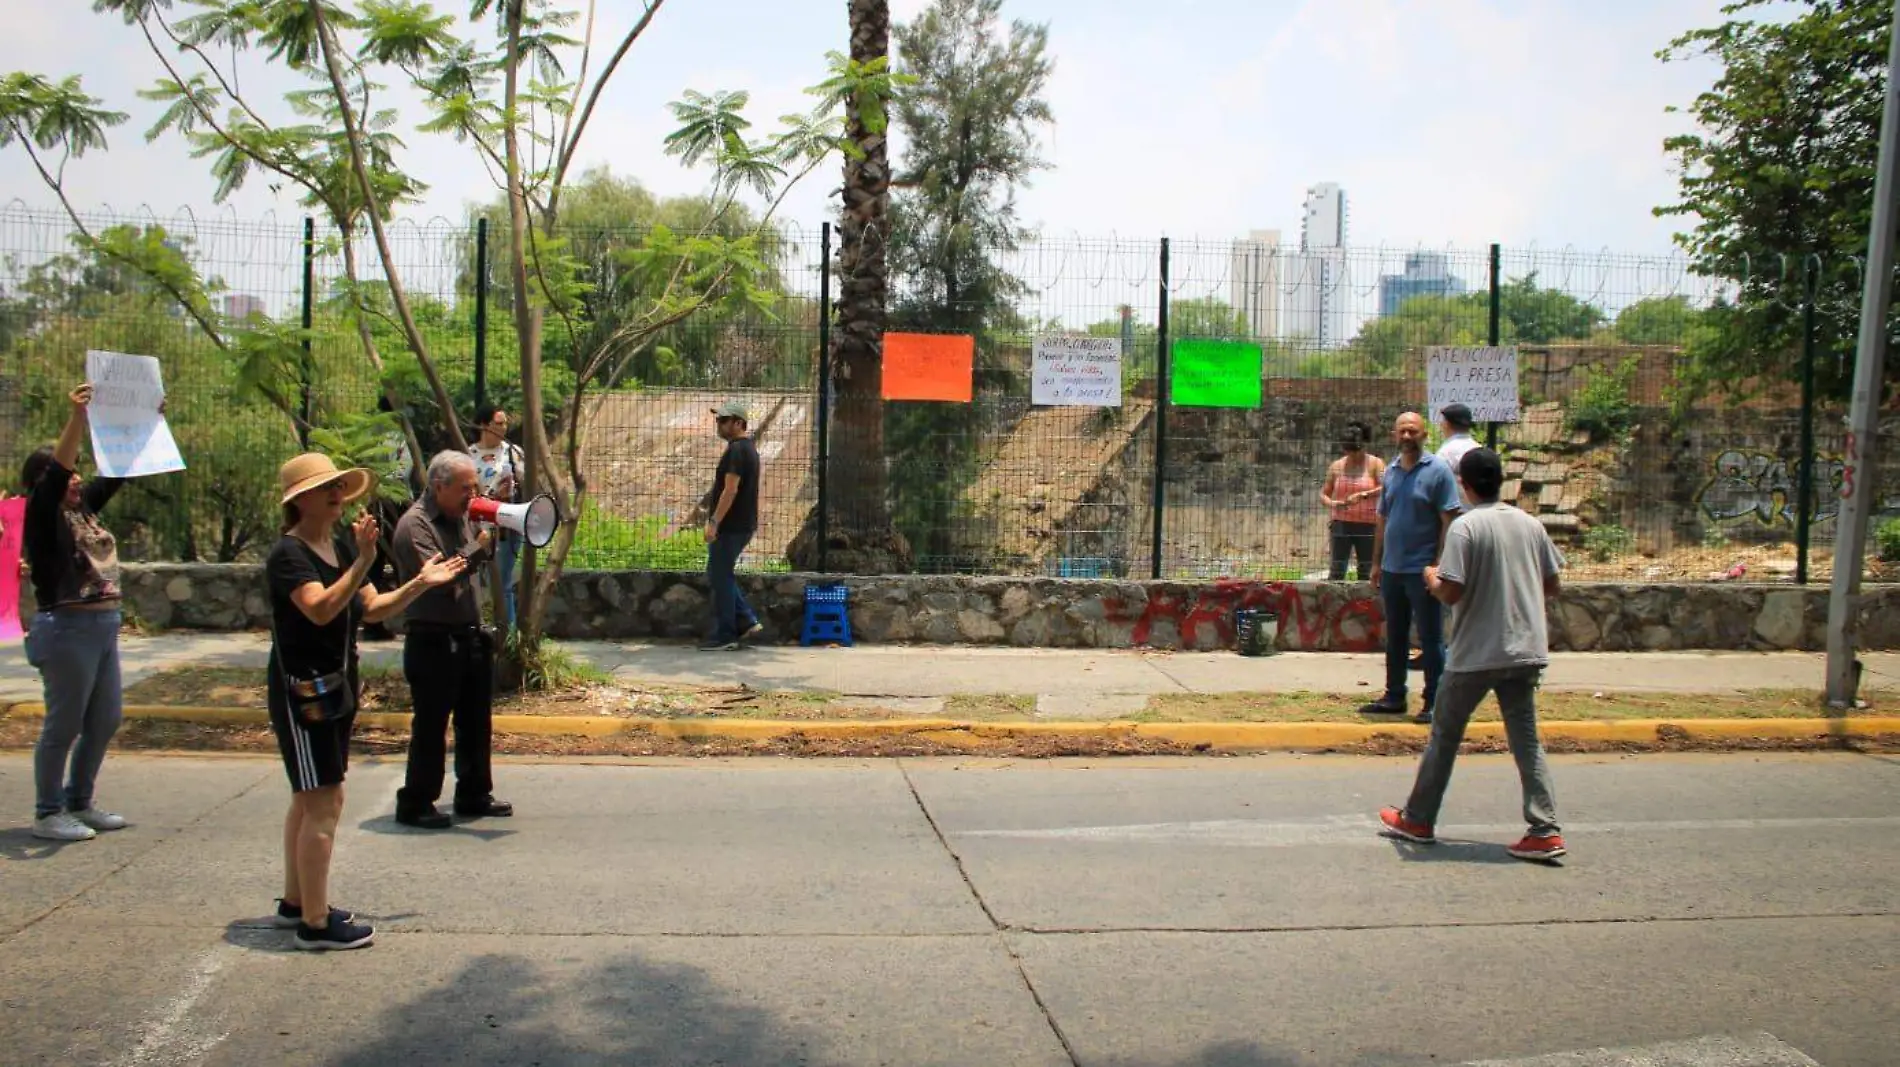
(862, 537)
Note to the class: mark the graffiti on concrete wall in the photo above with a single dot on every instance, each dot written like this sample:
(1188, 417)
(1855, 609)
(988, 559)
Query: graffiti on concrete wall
(1309, 619)
(1766, 487)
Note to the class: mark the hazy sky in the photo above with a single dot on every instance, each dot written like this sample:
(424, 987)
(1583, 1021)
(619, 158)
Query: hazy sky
(1448, 121)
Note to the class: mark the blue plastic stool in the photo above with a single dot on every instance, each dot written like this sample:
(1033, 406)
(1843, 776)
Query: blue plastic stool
(826, 619)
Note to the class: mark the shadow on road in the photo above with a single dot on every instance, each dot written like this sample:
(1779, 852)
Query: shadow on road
(505, 1010)
(1453, 850)
(20, 844)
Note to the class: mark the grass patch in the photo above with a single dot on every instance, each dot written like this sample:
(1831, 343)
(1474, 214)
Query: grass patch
(990, 707)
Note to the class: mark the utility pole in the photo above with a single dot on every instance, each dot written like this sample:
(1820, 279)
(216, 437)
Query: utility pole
(1870, 363)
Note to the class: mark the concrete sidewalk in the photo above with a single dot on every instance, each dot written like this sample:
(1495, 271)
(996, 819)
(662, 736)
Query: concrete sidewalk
(1070, 683)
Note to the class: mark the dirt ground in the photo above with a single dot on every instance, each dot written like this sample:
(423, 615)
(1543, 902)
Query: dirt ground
(236, 687)
(1762, 563)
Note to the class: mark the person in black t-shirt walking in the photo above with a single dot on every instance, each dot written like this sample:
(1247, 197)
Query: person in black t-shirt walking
(318, 597)
(731, 520)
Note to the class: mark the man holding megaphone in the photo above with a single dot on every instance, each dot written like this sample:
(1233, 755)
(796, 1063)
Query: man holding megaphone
(447, 656)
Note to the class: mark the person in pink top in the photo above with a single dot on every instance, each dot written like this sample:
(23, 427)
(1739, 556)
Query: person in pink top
(1351, 495)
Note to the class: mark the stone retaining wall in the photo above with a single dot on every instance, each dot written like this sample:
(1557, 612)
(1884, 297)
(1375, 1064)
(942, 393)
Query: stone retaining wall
(1044, 612)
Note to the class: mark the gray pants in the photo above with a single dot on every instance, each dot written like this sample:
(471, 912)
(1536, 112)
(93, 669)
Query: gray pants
(1459, 693)
(77, 655)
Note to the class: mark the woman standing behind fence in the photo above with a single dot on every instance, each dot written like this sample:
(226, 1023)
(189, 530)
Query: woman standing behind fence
(74, 637)
(318, 599)
(1351, 492)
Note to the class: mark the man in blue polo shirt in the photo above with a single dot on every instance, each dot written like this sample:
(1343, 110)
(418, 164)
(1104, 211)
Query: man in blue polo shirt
(1418, 503)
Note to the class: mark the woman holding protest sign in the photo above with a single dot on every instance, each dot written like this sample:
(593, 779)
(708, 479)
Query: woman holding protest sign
(319, 597)
(73, 640)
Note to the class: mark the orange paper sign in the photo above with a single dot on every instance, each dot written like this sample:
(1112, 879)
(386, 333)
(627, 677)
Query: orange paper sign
(929, 366)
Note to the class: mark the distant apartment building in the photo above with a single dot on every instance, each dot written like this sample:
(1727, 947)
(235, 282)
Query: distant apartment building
(243, 306)
(1426, 274)
(1314, 278)
(1254, 282)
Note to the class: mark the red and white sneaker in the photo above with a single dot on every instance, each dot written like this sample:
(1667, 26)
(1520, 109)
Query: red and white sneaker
(1399, 825)
(1539, 849)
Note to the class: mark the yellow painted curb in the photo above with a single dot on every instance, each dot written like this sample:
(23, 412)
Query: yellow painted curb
(1286, 736)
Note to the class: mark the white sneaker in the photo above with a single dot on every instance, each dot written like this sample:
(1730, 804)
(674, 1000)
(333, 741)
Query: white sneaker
(62, 826)
(100, 820)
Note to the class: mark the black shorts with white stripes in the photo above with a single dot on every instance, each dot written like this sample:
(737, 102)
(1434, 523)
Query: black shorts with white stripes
(314, 755)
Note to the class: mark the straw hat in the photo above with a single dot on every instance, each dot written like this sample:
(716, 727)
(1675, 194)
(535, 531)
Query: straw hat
(313, 470)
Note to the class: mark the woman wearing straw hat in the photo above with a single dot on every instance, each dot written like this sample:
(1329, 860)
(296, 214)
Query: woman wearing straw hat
(318, 599)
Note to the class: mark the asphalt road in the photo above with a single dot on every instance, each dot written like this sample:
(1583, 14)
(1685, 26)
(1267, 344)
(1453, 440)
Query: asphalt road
(1717, 910)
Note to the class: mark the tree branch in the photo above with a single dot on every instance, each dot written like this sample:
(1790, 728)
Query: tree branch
(571, 144)
(326, 41)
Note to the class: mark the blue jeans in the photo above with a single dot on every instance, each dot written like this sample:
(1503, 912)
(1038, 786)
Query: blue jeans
(732, 616)
(1406, 602)
(508, 552)
(77, 655)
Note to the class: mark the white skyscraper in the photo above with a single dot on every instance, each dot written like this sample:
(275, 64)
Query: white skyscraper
(1314, 277)
(1254, 288)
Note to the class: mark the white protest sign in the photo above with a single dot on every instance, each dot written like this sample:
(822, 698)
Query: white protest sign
(129, 436)
(1482, 379)
(1071, 371)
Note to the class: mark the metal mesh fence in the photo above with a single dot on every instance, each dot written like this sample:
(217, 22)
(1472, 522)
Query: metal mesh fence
(1640, 478)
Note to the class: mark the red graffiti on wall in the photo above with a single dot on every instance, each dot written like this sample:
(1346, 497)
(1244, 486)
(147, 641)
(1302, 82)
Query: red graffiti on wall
(1355, 624)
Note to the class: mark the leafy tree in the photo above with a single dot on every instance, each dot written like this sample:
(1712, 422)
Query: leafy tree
(1207, 318)
(510, 101)
(1781, 168)
(1658, 320)
(970, 122)
(1527, 314)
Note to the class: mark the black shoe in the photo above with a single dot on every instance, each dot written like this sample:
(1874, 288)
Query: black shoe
(334, 937)
(719, 646)
(484, 806)
(1424, 717)
(1380, 707)
(426, 819)
(290, 916)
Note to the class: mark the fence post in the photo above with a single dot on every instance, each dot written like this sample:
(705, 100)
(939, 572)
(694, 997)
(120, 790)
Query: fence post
(1163, 397)
(1491, 333)
(824, 398)
(481, 312)
(1804, 490)
(308, 371)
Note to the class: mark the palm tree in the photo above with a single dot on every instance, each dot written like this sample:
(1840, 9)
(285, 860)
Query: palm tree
(862, 538)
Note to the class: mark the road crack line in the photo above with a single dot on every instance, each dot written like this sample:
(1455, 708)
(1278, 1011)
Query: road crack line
(1001, 930)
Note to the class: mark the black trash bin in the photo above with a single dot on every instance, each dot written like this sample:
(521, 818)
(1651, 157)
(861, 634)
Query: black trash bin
(1255, 632)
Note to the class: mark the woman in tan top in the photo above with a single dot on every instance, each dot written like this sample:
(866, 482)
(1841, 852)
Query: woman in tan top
(1351, 495)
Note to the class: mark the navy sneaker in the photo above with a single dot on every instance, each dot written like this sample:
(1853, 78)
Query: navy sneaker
(335, 937)
(290, 916)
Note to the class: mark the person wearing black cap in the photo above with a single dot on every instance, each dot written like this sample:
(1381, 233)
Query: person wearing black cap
(732, 517)
(1454, 423)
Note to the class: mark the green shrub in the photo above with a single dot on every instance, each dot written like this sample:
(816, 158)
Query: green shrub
(607, 542)
(1887, 535)
(1605, 543)
(1602, 408)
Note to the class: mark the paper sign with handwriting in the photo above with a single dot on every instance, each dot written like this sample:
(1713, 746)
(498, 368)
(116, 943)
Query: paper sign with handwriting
(1215, 374)
(1482, 379)
(1081, 372)
(129, 436)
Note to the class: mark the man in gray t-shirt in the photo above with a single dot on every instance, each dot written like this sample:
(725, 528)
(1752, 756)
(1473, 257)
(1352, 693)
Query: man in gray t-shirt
(1497, 569)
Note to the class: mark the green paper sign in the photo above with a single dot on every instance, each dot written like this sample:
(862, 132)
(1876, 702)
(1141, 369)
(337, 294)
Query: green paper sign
(1215, 374)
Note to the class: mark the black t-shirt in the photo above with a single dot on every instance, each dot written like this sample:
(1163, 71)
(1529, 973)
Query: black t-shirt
(304, 648)
(742, 459)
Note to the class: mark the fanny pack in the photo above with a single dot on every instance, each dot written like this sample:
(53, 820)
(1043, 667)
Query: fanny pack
(322, 698)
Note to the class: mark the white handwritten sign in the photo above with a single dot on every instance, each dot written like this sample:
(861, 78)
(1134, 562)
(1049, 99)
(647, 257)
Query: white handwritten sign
(129, 436)
(1071, 371)
(1482, 379)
